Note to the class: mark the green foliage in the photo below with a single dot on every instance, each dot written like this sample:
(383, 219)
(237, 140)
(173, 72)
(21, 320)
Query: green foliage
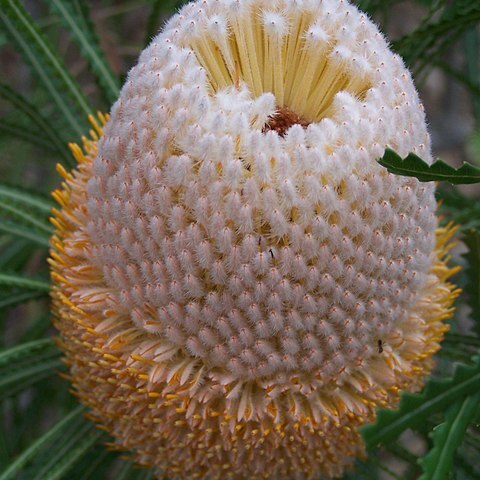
(50, 138)
(46, 63)
(24, 214)
(26, 199)
(435, 33)
(471, 239)
(9, 298)
(75, 16)
(67, 452)
(414, 166)
(27, 364)
(23, 133)
(18, 281)
(462, 210)
(414, 409)
(61, 431)
(20, 231)
(159, 8)
(447, 437)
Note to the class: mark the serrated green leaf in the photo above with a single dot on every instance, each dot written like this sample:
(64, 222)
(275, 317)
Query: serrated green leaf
(57, 431)
(416, 408)
(47, 64)
(447, 437)
(74, 16)
(43, 125)
(20, 231)
(14, 280)
(414, 166)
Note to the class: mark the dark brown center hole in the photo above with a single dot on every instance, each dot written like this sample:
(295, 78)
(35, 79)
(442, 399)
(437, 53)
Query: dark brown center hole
(282, 120)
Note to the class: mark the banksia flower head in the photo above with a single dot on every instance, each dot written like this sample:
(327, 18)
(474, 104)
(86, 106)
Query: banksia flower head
(239, 284)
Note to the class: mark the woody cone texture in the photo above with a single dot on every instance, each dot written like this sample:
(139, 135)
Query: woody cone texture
(238, 283)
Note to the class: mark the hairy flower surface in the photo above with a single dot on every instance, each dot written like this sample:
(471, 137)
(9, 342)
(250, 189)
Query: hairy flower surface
(239, 284)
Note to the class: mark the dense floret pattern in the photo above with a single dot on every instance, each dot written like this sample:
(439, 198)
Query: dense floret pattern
(239, 284)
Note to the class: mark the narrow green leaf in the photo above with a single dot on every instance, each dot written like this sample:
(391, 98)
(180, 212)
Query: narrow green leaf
(459, 76)
(10, 473)
(13, 382)
(26, 208)
(404, 454)
(472, 57)
(461, 339)
(27, 198)
(43, 124)
(456, 353)
(414, 166)
(5, 444)
(152, 23)
(31, 348)
(14, 280)
(143, 475)
(159, 8)
(20, 231)
(68, 452)
(24, 217)
(126, 472)
(447, 437)
(46, 63)
(78, 24)
(37, 328)
(457, 207)
(10, 299)
(415, 408)
(14, 253)
(96, 465)
(25, 133)
(422, 45)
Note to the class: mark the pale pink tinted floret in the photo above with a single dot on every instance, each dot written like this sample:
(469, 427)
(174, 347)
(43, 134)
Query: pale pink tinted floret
(253, 265)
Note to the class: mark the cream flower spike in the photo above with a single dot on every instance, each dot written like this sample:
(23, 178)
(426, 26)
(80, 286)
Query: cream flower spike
(239, 284)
